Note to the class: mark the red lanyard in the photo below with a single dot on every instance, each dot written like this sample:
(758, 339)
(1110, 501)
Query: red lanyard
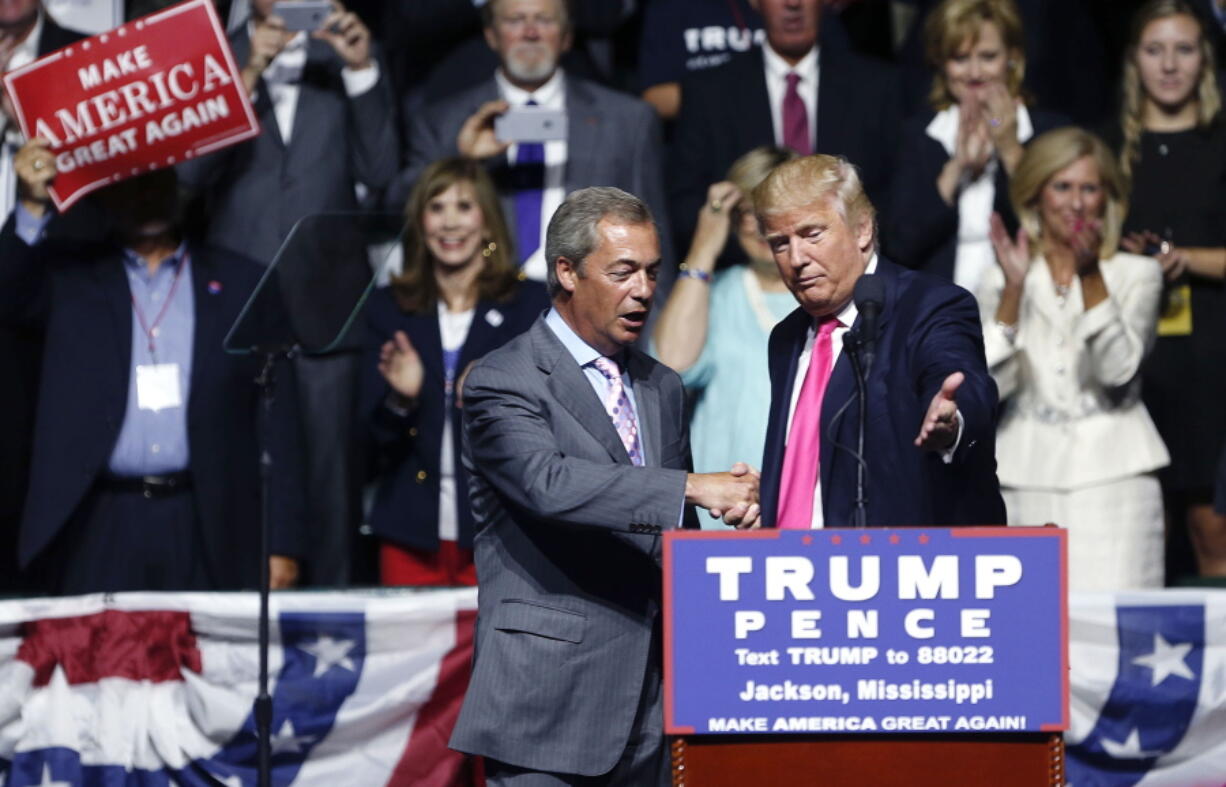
(151, 330)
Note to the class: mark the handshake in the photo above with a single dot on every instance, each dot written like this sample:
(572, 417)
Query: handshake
(732, 495)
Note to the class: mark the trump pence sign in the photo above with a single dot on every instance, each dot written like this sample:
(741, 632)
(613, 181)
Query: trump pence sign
(933, 630)
(145, 95)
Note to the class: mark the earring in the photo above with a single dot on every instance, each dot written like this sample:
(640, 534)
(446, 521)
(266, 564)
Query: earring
(489, 249)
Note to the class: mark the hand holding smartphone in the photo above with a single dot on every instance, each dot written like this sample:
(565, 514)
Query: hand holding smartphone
(302, 15)
(531, 124)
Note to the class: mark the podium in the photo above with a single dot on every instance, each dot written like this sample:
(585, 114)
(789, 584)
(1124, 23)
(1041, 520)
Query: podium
(879, 657)
(1021, 760)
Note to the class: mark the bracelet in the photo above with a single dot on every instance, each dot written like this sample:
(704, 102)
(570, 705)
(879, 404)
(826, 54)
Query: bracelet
(1010, 331)
(686, 272)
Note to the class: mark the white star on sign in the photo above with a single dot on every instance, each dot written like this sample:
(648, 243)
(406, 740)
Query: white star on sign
(46, 780)
(286, 741)
(329, 652)
(1167, 659)
(1130, 749)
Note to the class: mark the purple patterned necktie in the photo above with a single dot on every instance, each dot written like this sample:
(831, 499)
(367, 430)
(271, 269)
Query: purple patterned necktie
(618, 406)
(796, 119)
(528, 183)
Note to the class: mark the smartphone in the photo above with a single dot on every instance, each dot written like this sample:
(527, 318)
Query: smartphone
(531, 124)
(302, 15)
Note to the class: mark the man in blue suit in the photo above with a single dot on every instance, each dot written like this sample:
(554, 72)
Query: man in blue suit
(145, 468)
(930, 426)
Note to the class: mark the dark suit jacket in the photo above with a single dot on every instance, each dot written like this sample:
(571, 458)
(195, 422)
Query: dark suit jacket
(567, 552)
(81, 301)
(254, 192)
(921, 231)
(406, 503)
(725, 112)
(929, 329)
(612, 140)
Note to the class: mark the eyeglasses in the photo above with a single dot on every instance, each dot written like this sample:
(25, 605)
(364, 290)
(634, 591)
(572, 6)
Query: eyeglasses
(519, 21)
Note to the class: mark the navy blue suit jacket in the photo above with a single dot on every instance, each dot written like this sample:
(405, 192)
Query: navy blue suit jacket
(928, 330)
(81, 301)
(409, 447)
(921, 231)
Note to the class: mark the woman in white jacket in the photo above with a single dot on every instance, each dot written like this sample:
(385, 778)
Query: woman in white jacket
(1067, 320)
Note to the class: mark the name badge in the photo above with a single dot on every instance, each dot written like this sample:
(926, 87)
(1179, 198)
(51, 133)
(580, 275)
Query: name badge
(157, 386)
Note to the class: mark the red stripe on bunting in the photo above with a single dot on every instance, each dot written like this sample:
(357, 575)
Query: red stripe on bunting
(153, 646)
(426, 761)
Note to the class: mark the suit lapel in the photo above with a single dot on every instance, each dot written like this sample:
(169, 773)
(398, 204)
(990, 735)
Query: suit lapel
(647, 401)
(570, 387)
(752, 90)
(209, 325)
(113, 281)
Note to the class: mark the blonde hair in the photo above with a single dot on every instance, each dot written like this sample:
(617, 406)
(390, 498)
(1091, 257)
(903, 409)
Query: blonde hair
(1047, 155)
(1208, 97)
(811, 179)
(414, 288)
(751, 169)
(955, 24)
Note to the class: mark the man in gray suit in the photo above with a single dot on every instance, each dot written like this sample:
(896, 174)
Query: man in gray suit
(578, 457)
(612, 139)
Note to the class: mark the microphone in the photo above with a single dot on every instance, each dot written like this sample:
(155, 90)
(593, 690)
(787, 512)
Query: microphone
(869, 297)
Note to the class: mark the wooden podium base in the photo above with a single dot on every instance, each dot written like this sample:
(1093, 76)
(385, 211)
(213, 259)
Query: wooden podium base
(1025, 760)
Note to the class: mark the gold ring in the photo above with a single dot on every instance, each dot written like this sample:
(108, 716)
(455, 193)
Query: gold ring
(717, 205)
(38, 163)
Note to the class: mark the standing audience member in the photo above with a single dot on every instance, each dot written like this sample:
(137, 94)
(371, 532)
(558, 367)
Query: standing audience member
(714, 327)
(681, 37)
(459, 297)
(145, 473)
(790, 94)
(1172, 143)
(612, 139)
(328, 125)
(955, 162)
(26, 33)
(1067, 321)
(929, 435)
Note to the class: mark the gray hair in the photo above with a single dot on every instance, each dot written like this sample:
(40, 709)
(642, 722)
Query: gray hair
(572, 230)
(488, 11)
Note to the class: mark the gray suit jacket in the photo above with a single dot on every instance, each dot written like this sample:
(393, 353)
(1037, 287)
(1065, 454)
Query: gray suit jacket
(568, 554)
(255, 192)
(613, 140)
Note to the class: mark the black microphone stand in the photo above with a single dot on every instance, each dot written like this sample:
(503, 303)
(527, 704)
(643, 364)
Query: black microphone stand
(853, 346)
(263, 700)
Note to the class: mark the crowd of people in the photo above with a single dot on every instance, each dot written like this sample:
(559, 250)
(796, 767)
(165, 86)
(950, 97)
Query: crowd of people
(993, 149)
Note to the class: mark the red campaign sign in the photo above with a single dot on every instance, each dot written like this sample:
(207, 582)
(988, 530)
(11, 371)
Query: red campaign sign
(145, 95)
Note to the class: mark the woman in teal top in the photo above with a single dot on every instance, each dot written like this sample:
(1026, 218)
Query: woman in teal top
(714, 327)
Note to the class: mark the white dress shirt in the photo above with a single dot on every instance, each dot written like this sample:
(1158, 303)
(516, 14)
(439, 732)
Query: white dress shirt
(976, 198)
(551, 95)
(777, 70)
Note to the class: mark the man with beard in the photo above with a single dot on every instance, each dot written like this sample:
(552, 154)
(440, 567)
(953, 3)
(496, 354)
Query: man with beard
(145, 469)
(612, 139)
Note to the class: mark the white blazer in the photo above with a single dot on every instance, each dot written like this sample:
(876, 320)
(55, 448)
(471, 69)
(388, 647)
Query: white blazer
(1069, 379)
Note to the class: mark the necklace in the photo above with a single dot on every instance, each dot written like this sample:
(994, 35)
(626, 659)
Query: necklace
(1062, 290)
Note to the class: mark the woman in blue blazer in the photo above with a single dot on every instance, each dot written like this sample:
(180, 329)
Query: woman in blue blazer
(460, 295)
(955, 162)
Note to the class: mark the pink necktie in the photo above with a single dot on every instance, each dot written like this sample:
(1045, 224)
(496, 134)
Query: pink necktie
(618, 406)
(801, 457)
(795, 119)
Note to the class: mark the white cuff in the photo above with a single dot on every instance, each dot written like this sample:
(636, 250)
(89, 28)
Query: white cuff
(359, 81)
(947, 456)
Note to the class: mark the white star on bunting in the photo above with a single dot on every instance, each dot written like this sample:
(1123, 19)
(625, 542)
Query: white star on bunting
(46, 780)
(329, 652)
(1130, 749)
(286, 741)
(1167, 659)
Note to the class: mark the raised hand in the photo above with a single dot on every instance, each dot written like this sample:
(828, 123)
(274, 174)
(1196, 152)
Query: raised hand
(714, 223)
(268, 38)
(940, 426)
(346, 34)
(973, 148)
(35, 168)
(1086, 242)
(1013, 256)
(401, 366)
(477, 138)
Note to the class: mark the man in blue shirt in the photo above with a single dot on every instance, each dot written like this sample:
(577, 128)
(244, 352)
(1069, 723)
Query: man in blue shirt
(144, 473)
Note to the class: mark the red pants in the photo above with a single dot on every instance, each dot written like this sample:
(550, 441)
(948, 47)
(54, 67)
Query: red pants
(451, 565)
